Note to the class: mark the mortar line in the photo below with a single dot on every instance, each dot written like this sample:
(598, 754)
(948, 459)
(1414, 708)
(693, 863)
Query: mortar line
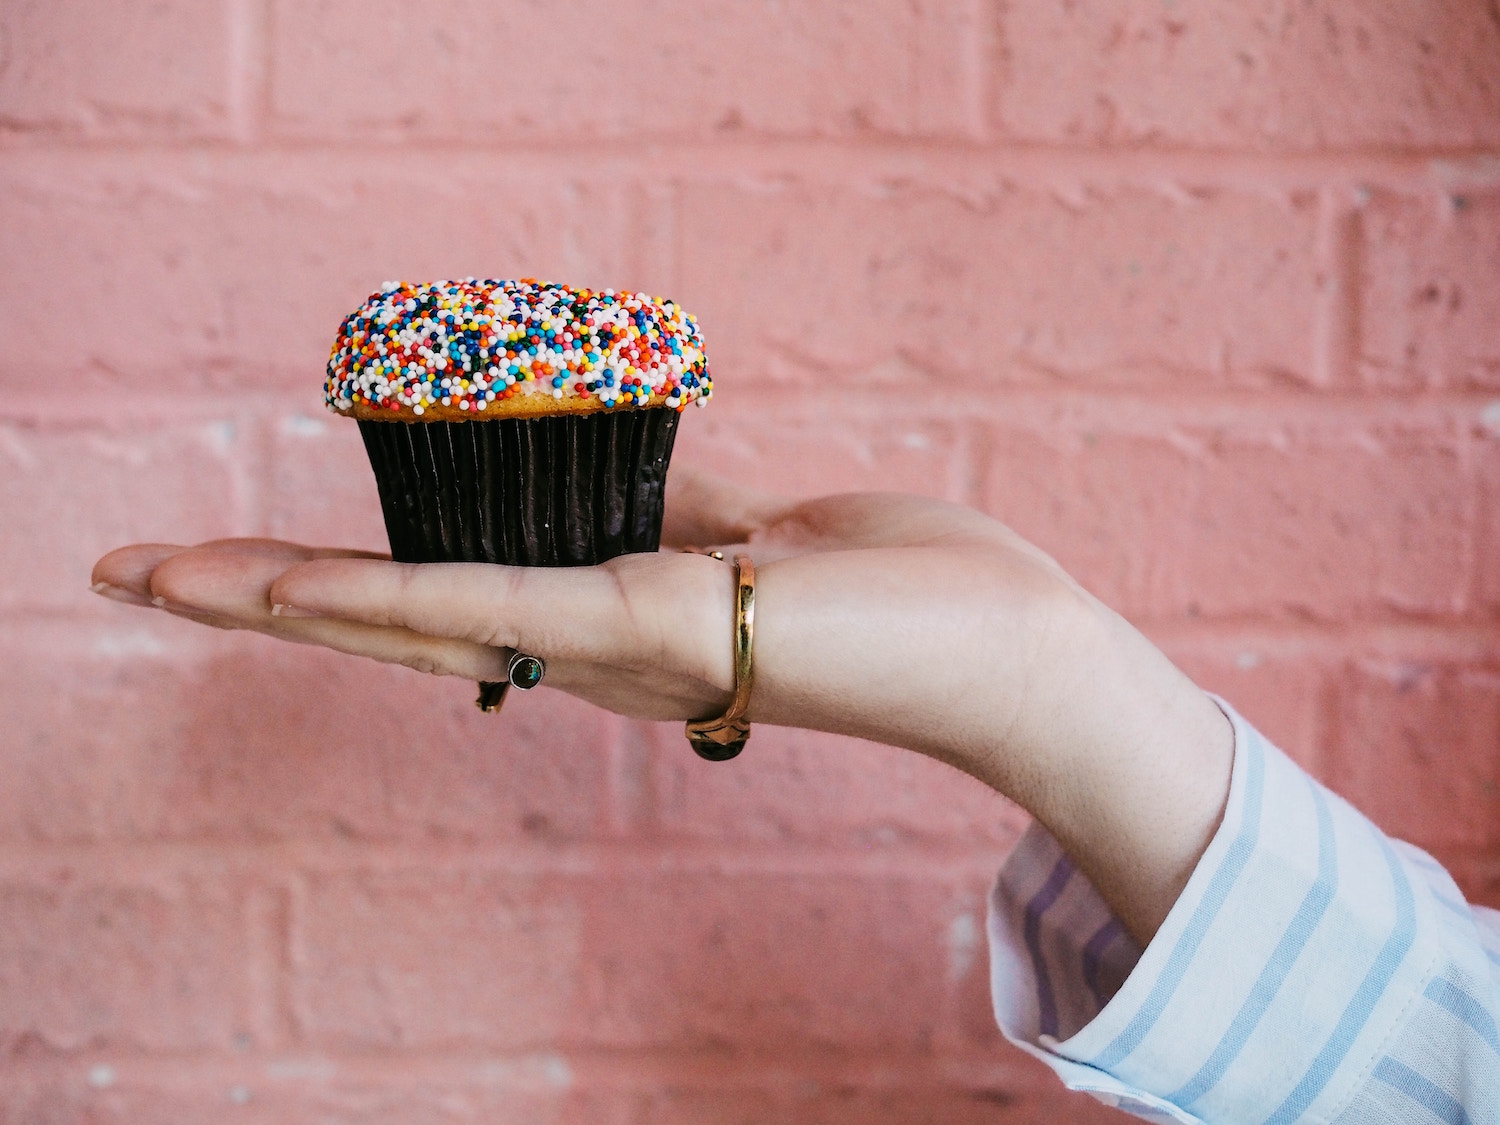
(127, 407)
(112, 861)
(1336, 331)
(249, 70)
(993, 60)
(123, 862)
(267, 925)
(692, 158)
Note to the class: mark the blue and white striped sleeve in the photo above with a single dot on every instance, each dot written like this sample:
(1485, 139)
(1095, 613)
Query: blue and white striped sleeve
(1312, 970)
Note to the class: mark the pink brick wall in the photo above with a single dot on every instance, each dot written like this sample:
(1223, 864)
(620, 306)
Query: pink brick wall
(1206, 300)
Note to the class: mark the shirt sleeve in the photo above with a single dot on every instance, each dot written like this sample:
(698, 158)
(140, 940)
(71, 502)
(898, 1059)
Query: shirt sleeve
(1312, 970)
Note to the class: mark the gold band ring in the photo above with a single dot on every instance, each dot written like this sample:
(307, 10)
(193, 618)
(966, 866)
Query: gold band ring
(720, 739)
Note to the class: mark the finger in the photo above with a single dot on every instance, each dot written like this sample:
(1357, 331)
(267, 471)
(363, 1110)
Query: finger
(704, 510)
(125, 573)
(281, 549)
(233, 587)
(665, 611)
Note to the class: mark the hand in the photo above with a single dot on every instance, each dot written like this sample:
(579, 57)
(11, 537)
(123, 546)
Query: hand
(897, 619)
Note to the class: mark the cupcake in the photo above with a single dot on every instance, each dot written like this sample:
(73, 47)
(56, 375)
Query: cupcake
(517, 422)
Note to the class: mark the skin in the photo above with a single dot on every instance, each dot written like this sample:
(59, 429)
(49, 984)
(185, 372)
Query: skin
(897, 619)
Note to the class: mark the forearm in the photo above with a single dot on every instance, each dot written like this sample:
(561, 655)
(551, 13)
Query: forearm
(1135, 785)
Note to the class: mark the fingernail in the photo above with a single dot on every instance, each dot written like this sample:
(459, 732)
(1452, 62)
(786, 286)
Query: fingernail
(281, 609)
(173, 607)
(118, 594)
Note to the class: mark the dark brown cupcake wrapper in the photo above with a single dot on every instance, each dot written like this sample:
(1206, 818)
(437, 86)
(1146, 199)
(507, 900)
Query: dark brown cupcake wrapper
(567, 490)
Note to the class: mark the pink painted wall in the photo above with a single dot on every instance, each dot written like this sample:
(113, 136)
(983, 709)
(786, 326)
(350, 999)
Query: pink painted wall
(1203, 298)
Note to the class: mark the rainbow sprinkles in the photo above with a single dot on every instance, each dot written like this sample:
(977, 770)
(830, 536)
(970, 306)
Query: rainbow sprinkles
(456, 349)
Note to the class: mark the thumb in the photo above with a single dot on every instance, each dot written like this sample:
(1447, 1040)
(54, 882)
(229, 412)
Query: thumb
(704, 510)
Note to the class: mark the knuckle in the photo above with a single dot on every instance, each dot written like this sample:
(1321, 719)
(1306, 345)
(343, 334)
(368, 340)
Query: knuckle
(406, 591)
(422, 662)
(493, 637)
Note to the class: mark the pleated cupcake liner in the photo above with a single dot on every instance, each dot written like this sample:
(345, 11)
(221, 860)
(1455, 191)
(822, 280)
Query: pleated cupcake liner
(565, 490)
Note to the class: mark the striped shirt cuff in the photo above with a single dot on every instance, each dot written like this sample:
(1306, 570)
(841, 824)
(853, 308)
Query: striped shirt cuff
(1301, 940)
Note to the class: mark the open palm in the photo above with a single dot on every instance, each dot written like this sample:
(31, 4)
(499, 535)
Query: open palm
(857, 597)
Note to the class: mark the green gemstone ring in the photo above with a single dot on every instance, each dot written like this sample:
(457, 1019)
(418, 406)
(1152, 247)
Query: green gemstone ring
(525, 672)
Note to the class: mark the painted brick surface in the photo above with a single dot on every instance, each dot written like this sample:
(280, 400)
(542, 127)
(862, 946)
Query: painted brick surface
(222, 272)
(1279, 687)
(854, 1107)
(471, 71)
(319, 487)
(806, 786)
(1245, 513)
(1202, 301)
(74, 492)
(1431, 265)
(153, 966)
(792, 449)
(255, 1102)
(1416, 750)
(904, 286)
(253, 1098)
(419, 960)
(1331, 74)
(78, 68)
(679, 960)
(1487, 577)
(168, 735)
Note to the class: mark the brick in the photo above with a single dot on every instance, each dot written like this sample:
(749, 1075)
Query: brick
(170, 731)
(234, 272)
(477, 72)
(252, 1098)
(403, 756)
(1244, 513)
(1415, 750)
(676, 959)
(115, 70)
(71, 493)
(1480, 881)
(1279, 688)
(1328, 74)
(795, 451)
(1430, 295)
(905, 287)
(319, 487)
(153, 967)
(820, 788)
(1487, 556)
(431, 959)
(851, 1105)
